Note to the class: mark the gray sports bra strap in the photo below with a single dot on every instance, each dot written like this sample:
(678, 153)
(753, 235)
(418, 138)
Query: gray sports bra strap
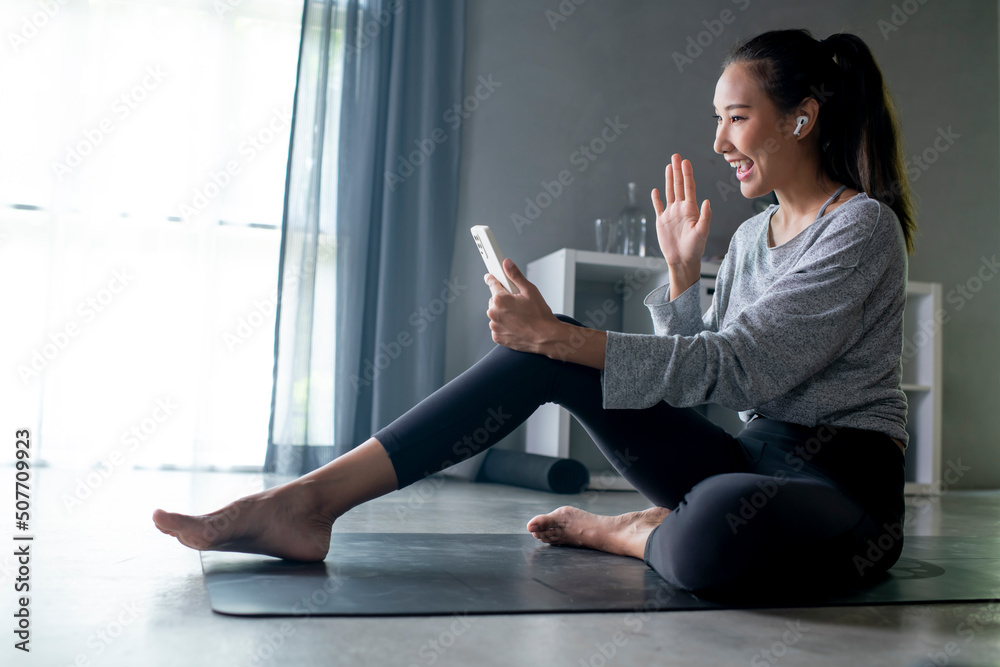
(829, 201)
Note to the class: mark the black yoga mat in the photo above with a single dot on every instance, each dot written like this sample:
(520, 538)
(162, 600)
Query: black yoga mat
(392, 574)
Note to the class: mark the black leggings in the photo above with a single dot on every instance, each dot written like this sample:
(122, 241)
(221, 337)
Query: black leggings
(778, 506)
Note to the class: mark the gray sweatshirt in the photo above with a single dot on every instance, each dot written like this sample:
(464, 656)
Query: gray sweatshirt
(809, 332)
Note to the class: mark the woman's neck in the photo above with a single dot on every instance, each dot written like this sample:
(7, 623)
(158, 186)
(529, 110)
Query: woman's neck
(799, 204)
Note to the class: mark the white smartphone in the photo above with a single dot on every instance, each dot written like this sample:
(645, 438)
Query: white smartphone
(490, 251)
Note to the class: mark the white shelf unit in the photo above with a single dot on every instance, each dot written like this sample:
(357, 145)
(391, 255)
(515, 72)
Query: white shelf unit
(606, 291)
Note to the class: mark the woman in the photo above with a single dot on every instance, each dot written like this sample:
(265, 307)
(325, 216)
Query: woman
(804, 336)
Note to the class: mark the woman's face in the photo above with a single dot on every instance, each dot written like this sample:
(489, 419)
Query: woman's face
(749, 133)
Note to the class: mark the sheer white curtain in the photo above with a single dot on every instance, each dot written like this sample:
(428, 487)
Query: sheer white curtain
(141, 191)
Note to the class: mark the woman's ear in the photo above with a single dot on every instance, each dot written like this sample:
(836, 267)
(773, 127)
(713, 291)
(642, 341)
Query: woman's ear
(803, 119)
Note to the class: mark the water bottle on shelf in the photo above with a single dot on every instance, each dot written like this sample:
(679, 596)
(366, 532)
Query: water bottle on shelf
(633, 222)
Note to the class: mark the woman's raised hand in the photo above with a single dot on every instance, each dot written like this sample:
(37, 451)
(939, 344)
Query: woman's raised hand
(681, 229)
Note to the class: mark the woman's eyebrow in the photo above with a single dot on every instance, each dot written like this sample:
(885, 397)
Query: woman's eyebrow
(735, 106)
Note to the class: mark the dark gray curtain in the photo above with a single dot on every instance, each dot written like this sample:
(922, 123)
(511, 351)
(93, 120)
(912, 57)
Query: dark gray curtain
(369, 223)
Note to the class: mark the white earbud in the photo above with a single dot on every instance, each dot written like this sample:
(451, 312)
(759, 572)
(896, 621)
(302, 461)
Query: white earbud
(799, 122)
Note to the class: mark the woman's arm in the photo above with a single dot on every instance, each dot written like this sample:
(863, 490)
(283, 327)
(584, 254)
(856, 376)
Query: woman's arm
(681, 279)
(524, 322)
(579, 345)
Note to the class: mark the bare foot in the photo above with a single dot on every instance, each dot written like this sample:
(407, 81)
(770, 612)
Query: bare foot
(288, 521)
(624, 535)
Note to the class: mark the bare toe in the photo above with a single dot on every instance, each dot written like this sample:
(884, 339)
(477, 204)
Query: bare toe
(560, 526)
(544, 522)
(171, 522)
(192, 531)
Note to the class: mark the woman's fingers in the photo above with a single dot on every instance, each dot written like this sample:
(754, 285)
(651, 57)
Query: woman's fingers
(679, 185)
(678, 175)
(706, 216)
(689, 182)
(657, 204)
(495, 287)
(668, 185)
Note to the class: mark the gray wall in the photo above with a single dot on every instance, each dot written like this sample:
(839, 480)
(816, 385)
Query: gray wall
(614, 60)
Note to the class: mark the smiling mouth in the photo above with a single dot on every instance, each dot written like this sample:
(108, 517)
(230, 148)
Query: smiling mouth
(743, 168)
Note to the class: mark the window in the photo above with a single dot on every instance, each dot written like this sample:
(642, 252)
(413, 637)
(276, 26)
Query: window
(141, 193)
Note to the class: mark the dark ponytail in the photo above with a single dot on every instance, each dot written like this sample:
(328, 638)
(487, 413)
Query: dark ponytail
(859, 138)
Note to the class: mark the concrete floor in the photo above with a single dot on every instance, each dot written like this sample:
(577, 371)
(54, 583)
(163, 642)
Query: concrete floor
(108, 589)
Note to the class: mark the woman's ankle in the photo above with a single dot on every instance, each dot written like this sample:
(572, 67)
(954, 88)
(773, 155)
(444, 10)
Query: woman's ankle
(360, 475)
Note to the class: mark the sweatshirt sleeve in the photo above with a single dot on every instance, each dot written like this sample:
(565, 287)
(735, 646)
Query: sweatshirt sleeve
(681, 316)
(804, 320)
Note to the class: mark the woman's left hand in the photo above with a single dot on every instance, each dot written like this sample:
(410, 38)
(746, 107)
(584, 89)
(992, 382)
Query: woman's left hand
(522, 322)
